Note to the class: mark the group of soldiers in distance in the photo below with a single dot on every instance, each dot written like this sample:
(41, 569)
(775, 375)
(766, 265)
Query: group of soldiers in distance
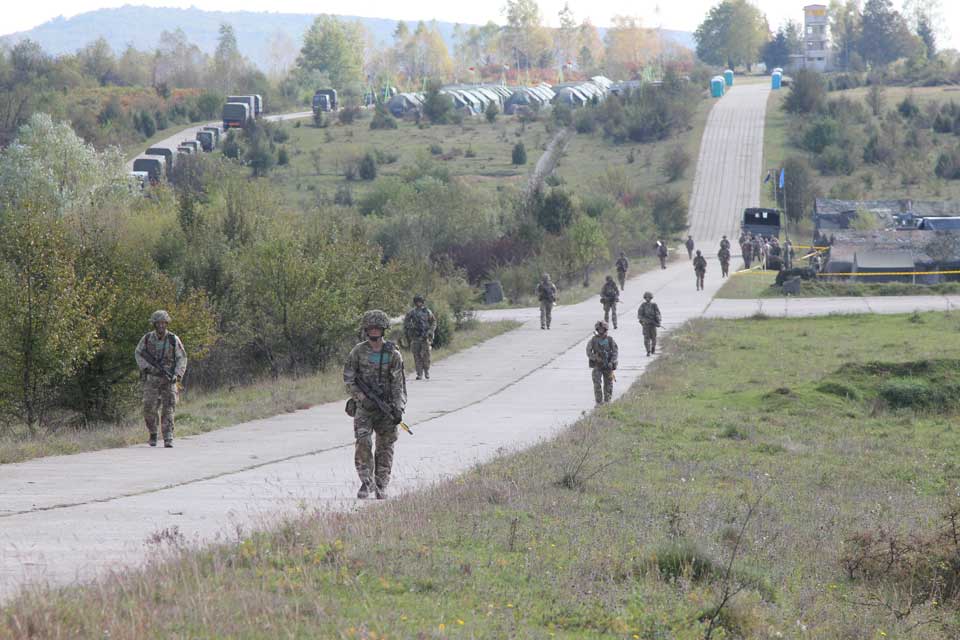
(374, 373)
(763, 248)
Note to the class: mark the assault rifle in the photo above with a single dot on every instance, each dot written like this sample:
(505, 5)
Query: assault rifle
(153, 362)
(607, 365)
(382, 405)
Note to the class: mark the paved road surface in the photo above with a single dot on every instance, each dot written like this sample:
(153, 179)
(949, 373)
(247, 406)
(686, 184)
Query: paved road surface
(190, 133)
(730, 165)
(74, 517)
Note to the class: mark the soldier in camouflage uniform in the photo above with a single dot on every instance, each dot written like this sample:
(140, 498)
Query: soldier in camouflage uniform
(420, 325)
(724, 257)
(724, 243)
(622, 265)
(379, 364)
(662, 253)
(547, 295)
(649, 316)
(602, 354)
(689, 245)
(609, 297)
(699, 269)
(160, 393)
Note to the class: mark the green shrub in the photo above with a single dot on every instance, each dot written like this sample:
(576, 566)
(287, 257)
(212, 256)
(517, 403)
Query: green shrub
(585, 121)
(676, 163)
(382, 119)
(683, 558)
(839, 389)
(669, 211)
(821, 133)
(436, 149)
(492, 112)
(445, 327)
(519, 155)
(836, 161)
(283, 158)
(280, 135)
(367, 167)
(908, 393)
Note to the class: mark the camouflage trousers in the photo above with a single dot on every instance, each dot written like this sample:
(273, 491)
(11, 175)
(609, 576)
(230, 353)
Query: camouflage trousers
(159, 404)
(610, 308)
(373, 464)
(546, 314)
(700, 275)
(650, 337)
(622, 279)
(604, 378)
(421, 355)
(724, 268)
(663, 262)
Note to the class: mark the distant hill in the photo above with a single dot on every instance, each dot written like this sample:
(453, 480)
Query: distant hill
(142, 26)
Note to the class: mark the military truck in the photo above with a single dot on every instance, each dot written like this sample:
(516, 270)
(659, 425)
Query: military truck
(216, 134)
(761, 222)
(236, 115)
(186, 150)
(205, 138)
(258, 105)
(193, 144)
(165, 153)
(325, 100)
(154, 166)
(250, 101)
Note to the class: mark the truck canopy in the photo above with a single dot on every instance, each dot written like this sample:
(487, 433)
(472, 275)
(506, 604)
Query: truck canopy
(235, 115)
(166, 153)
(205, 138)
(761, 221)
(153, 166)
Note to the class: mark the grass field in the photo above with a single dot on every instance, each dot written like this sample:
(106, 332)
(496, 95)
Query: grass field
(199, 413)
(757, 284)
(766, 479)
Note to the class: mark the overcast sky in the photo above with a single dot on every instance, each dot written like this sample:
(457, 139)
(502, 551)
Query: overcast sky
(671, 14)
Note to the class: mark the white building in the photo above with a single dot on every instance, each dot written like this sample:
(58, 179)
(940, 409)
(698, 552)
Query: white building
(816, 38)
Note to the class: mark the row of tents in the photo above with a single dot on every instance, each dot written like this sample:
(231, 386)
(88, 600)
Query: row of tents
(475, 99)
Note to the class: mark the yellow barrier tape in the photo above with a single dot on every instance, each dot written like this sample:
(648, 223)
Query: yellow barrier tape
(752, 272)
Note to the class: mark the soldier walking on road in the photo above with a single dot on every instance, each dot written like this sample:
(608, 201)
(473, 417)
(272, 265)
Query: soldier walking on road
(162, 362)
(649, 316)
(547, 295)
(724, 243)
(420, 325)
(724, 256)
(609, 297)
(622, 265)
(602, 354)
(662, 253)
(700, 269)
(379, 365)
(689, 245)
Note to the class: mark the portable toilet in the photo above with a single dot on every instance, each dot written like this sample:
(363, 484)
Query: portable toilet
(776, 79)
(778, 70)
(728, 77)
(716, 87)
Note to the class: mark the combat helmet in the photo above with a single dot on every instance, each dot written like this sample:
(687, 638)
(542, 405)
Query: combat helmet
(375, 318)
(160, 316)
(601, 325)
(609, 278)
(418, 298)
(647, 295)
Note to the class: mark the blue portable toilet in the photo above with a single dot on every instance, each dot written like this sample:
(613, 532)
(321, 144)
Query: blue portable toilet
(716, 87)
(778, 70)
(728, 77)
(776, 79)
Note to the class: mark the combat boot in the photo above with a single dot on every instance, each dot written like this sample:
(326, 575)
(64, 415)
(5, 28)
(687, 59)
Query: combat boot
(381, 493)
(153, 440)
(364, 492)
(426, 374)
(168, 443)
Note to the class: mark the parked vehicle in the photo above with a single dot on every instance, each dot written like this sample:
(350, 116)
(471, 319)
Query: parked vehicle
(325, 100)
(236, 115)
(167, 155)
(205, 138)
(762, 222)
(155, 167)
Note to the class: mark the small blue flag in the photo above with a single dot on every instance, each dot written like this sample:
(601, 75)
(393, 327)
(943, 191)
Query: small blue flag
(767, 179)
(781, 178)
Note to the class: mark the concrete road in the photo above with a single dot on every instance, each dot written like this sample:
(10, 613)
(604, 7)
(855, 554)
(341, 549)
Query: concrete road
(730, 165)
(190, 133)
(76, 517)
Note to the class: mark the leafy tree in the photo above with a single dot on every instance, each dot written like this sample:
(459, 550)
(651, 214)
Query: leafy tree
(555, 211)
(97, 61)
(799, 187)
(885, 34)
(807, 93)
(526, 36)
(776, 53)
(367, 167)
(56, 171)
(927, 35)
(668, 208)
(845, 31)
(629, 47)
(334, 48)
(437, 107)
(48, 330)
(227, 61)
(422, 55)
(731, 34)
(585, 245)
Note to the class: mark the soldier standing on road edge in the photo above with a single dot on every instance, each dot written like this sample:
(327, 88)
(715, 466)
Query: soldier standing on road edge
(609, 297)
(700, 269)
(380, 365)
(622, 265)
(547, 295)
(602, 355)
(420, 325)
(160, 393)
(689, 245)
(662, 253)
(649, 316)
